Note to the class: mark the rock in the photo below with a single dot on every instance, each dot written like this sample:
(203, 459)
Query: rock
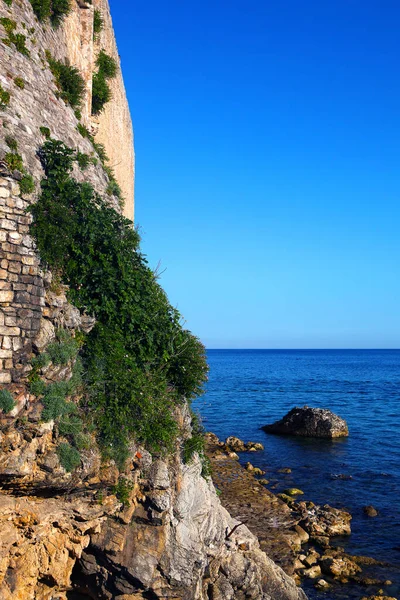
(293, 492)
(370, 511)
(313, 572)
(321, 584)
(303, 535)
(310, 422)
(45, 336)
(235, 444)
(263, 481)
(285, 470)
(339, 566)
(326, 521)
(254, 447)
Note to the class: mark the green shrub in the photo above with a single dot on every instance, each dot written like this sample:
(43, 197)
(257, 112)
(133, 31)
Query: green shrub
(18, 39)
(40, 361)
(6, 401)
(14, 161)
(69, 457)
(59, 10)
(98, 23)
(45, 131)
(41, 8)
(84, 131)
(123, 490)
(11, 143)
(69, 81)
(83, 160)
(106, 65)
(64, 349)
(133, 376)
(8, 2)
(70, 425)
(4, 98)
(78, 114)
(101, 93)
(27, 184)
(19, 82)
(37, 387)
(101, 151)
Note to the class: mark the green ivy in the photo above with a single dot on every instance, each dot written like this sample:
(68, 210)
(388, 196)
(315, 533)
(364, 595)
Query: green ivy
(138, 360)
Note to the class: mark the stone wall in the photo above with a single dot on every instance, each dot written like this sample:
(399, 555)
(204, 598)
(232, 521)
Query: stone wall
(38, 105)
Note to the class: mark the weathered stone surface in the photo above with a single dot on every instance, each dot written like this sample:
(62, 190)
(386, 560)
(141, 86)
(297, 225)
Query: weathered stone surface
(309, 422)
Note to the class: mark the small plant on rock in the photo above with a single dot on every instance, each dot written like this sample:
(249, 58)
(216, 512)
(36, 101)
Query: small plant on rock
(11, 143)
(45, 131)
(6, 401)
(83, 160)
(4, 98)
(27, 184)
(101, 92)
(69, 457)
(123, 490)
(68, 80)
(19, 82)
(18, 39)
(98, 23)
(8, 2)
(14, 161)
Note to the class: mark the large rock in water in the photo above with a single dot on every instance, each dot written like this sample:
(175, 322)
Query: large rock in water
(310, 422)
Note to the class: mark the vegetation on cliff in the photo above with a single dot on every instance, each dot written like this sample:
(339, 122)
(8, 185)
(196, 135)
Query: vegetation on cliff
(138, 361)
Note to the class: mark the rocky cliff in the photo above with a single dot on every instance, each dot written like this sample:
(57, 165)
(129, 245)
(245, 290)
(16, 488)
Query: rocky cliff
(154, 528)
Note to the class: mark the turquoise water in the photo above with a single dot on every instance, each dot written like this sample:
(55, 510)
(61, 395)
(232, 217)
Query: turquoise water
(249, 388)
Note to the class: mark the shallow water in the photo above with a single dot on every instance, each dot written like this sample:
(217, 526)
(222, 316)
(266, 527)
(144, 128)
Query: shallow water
(250, 388)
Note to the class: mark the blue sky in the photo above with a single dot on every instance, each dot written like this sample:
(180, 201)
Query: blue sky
(268, 166)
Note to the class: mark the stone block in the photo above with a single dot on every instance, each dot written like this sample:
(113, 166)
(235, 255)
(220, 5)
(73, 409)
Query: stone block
(5, 377)
(7, 343)
(11, 331)
(6, 296)
(5, 353)
(4, 192)
(7, 224)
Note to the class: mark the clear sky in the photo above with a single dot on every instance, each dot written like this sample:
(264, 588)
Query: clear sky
(268, 165)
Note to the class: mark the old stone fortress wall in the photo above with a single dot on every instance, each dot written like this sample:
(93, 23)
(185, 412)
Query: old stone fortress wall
(24, 307)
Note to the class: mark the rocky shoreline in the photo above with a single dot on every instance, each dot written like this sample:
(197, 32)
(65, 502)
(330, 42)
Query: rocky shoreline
(299, 536)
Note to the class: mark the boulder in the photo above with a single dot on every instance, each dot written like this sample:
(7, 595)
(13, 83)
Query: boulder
(310, 422)
(370, 511)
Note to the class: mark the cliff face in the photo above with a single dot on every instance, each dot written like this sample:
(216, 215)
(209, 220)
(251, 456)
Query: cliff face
(66, 534)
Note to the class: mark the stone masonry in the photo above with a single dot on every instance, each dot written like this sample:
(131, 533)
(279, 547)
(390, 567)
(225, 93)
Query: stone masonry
(21, 287)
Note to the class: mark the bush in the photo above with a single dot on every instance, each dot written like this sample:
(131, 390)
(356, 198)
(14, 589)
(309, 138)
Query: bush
(106, 65)
(59, 10)
(83, 160)
(101, 93)
(19, 82)
(98, 23)
(69, 457)
(69, 81)
(18, 39)
(8, 2)
(6, 401)
(138, 361)
(196, 444)
(63, 350)
(41, 8)
(14, 161)
(4, 98)
(27, 184)
(45, 131)
(123, 490)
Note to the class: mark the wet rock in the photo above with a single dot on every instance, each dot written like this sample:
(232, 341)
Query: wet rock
(339, 566)
(293, 492)
(312, 572)
(326, 521)
(370, 511)
(321, 584)
(237, 445)
(253, 469)
(310, 422)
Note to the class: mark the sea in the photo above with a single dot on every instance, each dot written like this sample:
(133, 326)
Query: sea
(250, 388)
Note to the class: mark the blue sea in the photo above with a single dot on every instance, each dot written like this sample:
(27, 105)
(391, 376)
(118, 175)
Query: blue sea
(250, 388)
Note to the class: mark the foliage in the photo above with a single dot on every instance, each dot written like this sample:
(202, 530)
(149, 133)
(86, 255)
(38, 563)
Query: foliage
(196, 444)
(123, 490)
(14, 161)
(98, 23)
(8, 2)
(27, 184)
(4, 98)
(19, 82)
(55, 10)
(133, 373)
(6, 401)
(101, 93)
(106, 65)
(84, 131)
(83, 160)
(59, 10)
(18, 39)
(11, 143)
(69, 81)
(69, 457)
(45, 131)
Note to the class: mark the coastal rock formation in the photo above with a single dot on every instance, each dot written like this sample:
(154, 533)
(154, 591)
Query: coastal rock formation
(310, 422)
